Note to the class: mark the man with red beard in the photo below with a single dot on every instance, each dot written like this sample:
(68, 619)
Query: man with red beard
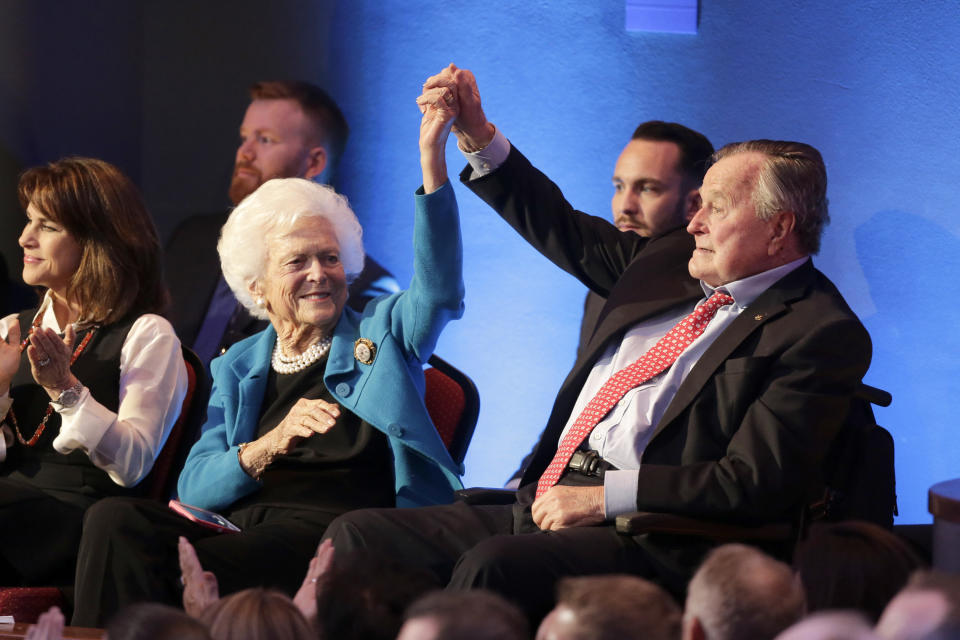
(290, 129)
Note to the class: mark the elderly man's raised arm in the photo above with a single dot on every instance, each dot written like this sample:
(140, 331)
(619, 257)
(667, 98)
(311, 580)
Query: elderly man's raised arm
(589, 248)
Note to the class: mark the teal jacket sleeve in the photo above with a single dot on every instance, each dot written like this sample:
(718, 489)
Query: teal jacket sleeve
(404, 328)
(212, 477)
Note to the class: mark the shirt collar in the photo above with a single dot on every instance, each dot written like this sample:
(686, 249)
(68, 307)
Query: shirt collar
(746, 290)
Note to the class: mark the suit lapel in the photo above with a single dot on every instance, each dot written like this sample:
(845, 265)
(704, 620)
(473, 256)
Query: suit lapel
(770, 304)
(657, 280)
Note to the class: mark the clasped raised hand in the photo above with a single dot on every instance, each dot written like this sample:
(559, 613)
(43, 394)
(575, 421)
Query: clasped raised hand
(470, 126)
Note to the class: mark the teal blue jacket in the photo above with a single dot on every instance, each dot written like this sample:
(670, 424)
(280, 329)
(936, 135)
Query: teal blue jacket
(388, 393)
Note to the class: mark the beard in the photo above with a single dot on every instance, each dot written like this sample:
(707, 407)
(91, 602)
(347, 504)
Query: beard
(242, 185)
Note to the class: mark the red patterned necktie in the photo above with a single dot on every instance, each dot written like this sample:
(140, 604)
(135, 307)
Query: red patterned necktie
(656, 360)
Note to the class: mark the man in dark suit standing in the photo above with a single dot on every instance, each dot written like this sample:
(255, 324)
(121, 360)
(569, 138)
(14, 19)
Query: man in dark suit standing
(290, 129)
(721, 370)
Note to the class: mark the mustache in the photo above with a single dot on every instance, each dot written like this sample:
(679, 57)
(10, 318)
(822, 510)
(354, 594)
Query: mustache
(618, 220)
(244, 165)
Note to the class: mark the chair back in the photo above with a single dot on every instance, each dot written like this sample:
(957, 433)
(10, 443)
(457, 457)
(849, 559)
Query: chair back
(453, 403)
(860, 475)
(160, 483)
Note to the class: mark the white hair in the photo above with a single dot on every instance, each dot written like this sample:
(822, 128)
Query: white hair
(273, 208)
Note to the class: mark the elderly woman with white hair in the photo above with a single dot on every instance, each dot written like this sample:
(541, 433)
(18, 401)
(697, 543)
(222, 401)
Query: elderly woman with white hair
(319, 414)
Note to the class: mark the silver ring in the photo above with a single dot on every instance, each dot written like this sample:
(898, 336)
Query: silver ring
(44, 362)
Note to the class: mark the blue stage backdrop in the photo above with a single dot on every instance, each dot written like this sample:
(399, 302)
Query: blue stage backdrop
(872, 84)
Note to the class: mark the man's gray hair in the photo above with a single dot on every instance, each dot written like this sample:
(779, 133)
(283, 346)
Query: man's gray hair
(741, 592)
(793, 178)
(270, 211)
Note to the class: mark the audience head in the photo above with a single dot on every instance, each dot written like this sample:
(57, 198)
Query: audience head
(256, 614)
(657, 177)
(255, 231)
(364, 596)
(610, 607)
(290, 130)
(928, 608)
(853, 565)
(151, 621)
(90, 239)
(831, 625)
(741, 592)
(463, 615)
(764, 204)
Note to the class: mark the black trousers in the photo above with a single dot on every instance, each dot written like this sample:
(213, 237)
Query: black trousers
(128, 553)
(39, 535)
(499, 548)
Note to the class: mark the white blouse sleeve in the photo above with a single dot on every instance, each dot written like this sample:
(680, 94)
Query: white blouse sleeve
(5, 400)
(153, 383)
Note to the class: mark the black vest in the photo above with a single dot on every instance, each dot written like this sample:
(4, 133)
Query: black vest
(41, 466)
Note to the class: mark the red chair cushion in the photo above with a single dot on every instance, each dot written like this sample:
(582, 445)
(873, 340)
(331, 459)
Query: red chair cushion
(445, 401)
(26, 604)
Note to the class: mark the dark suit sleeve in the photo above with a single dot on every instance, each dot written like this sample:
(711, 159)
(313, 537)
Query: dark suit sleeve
(589, 248)
(192, 270)
(776, 412)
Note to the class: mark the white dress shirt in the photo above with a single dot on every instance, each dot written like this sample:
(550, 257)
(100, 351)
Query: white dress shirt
(153, 383)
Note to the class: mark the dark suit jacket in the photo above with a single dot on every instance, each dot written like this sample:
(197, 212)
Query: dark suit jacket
(592, 306)
(746, 435)
(192, 268)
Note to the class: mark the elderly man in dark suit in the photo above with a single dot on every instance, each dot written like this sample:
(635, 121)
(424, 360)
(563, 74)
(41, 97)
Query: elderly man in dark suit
(656, 189)
(290, 130)
(720, 371)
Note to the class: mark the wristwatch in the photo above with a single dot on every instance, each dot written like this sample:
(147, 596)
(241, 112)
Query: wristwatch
(70, 396)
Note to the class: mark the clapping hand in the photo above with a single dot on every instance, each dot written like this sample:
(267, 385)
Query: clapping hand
(49, 626)
(200, 588)
(306, 597)
(49, 357)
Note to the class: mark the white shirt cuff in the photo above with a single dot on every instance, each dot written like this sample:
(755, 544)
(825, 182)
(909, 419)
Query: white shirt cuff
(96, 420)
(489, 158)
(620, 492)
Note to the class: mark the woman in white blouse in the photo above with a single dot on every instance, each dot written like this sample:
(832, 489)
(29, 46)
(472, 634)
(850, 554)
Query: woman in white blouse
(90, 382)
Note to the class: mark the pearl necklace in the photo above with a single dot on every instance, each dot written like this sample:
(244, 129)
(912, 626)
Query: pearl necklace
(283, 364)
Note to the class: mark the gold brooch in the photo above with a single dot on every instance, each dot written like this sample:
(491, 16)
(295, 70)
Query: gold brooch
(364, 351)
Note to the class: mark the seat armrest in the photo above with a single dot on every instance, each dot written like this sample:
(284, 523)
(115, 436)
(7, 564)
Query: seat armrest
(486, 495)
(639, 522)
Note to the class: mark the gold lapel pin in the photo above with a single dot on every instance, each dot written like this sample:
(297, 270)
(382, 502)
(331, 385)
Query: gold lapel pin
(364, 351)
